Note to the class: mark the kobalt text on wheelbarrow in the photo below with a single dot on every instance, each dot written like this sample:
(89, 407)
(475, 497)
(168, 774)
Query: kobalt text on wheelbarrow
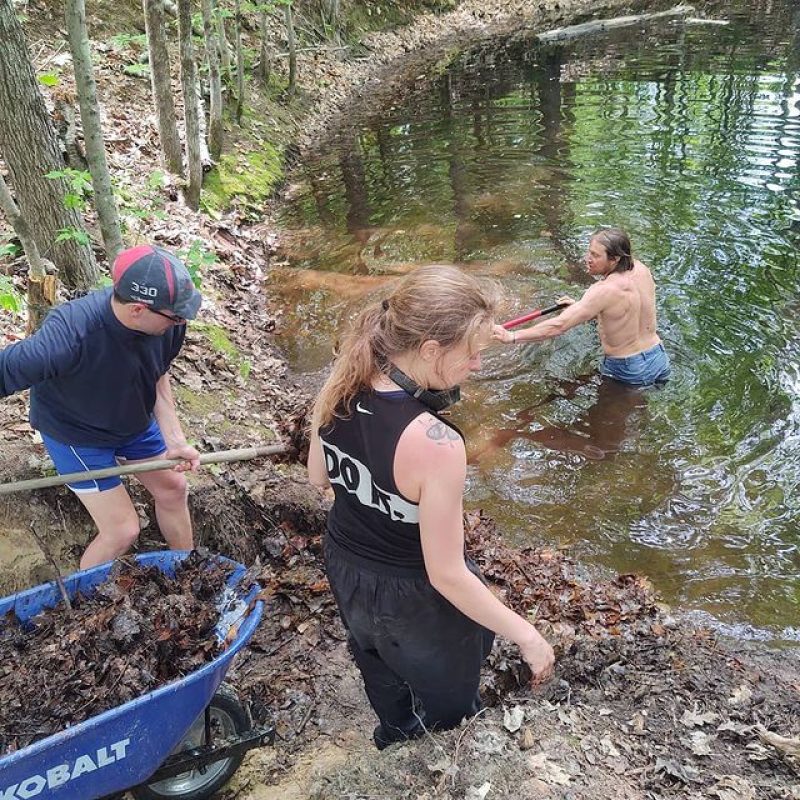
(183, 740)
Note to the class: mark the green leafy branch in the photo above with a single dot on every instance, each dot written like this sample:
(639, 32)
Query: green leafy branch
(80, 185)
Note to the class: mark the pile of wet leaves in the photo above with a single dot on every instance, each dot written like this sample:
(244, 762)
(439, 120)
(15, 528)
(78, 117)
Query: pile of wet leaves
(548, 584)
(551, 590)
(138, 630)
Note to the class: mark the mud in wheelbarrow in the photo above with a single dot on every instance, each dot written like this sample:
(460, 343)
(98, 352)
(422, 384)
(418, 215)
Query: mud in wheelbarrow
(183, 740)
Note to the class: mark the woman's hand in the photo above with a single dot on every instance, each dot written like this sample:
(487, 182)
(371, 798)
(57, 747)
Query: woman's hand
(540, 658)
(500, 334)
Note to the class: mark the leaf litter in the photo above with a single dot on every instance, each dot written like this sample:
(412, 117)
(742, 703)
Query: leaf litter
(138, 630)
(639, 706)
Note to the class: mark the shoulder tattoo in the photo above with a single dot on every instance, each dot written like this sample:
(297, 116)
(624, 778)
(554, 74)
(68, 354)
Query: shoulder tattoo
(439, 432)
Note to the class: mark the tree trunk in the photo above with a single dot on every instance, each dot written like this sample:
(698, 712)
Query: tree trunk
(215, 130)
(30, 146)
(292, 48)
(237, 17)
(205, 156)
(104, 202)
(190, 107)
(64, 116)
(265, 62)
(22, 229)
(161, 82)
(222, 40)
(41, 273)
(333, 12)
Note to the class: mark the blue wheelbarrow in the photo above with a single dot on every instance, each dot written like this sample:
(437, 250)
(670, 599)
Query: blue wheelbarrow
(183, 740)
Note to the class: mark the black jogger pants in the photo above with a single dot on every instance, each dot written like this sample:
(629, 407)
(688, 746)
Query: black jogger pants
(419, 656)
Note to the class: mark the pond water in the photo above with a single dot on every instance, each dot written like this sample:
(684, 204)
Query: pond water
(504, 160)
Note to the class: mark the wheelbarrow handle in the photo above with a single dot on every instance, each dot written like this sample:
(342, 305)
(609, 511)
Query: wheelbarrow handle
(540, 312)
(143, 466)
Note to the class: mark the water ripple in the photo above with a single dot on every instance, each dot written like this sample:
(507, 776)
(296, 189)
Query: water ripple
(689, 138)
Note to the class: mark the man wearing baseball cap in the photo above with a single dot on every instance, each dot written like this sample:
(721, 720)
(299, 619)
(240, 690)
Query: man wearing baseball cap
(100, 393)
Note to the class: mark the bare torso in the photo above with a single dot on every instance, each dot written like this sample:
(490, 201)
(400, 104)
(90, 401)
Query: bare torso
(627, 323)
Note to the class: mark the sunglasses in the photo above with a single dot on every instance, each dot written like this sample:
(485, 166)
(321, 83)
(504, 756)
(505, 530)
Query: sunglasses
(173, 319)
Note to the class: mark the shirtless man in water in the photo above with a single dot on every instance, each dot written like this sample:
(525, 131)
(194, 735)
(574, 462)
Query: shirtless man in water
(623, 302)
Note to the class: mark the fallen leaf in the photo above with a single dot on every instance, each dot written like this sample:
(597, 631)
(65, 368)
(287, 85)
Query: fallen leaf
(789, 747)
(757, 752)
(684, 773)
(734, 727)
(692, 719)
(733, 787)
(526, 740)
(513, 718)
(478, 792)
(547, 770)
(743, 694)
(700, 743)
(637, 723)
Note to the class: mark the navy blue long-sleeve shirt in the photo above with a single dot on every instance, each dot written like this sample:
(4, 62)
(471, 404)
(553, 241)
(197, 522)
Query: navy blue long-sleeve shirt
(92, 380)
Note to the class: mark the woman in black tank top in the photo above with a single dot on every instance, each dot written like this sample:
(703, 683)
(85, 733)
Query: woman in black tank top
(419, 617)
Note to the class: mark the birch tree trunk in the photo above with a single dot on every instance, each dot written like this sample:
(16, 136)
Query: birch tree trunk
(30, 147)
(161, 83)
(215, 130)
(265, 61)
(104, 201)
(237, 18)
(191, 114)
(205, 156)
(292, 48)
(41, 273)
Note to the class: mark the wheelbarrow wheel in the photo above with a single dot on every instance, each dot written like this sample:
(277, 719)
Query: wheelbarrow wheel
(228, 718)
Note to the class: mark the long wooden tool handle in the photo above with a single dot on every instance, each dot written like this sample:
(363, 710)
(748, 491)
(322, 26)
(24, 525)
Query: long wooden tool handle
(143, 466)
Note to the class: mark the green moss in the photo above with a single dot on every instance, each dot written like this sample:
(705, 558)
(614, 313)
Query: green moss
(247, 179)
(218, 339)
(276, 86)
(363, 17)
(204, 404)
(199, 404)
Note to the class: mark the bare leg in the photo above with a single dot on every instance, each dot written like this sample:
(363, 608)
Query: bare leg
(117, 525)
(170, 494)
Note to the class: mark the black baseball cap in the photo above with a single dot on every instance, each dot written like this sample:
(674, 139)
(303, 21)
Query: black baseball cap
(155, 277)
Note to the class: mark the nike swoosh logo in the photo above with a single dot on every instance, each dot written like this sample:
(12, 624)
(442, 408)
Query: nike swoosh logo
(363, 410)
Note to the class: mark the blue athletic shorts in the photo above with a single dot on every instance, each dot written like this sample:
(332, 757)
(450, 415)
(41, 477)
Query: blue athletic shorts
(72, 458)
(643, 369)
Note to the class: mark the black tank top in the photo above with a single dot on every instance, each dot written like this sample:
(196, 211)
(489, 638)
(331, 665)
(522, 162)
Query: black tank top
(370, 518)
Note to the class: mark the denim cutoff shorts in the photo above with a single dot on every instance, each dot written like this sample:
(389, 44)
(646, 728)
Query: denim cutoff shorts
(643, 369)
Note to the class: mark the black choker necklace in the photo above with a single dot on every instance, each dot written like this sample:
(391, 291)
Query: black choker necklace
(435, 399)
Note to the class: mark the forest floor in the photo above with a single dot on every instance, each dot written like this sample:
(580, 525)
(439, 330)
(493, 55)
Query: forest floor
(643, 705)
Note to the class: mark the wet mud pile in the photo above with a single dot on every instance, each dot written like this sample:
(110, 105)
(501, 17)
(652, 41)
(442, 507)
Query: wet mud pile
(137, 631)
